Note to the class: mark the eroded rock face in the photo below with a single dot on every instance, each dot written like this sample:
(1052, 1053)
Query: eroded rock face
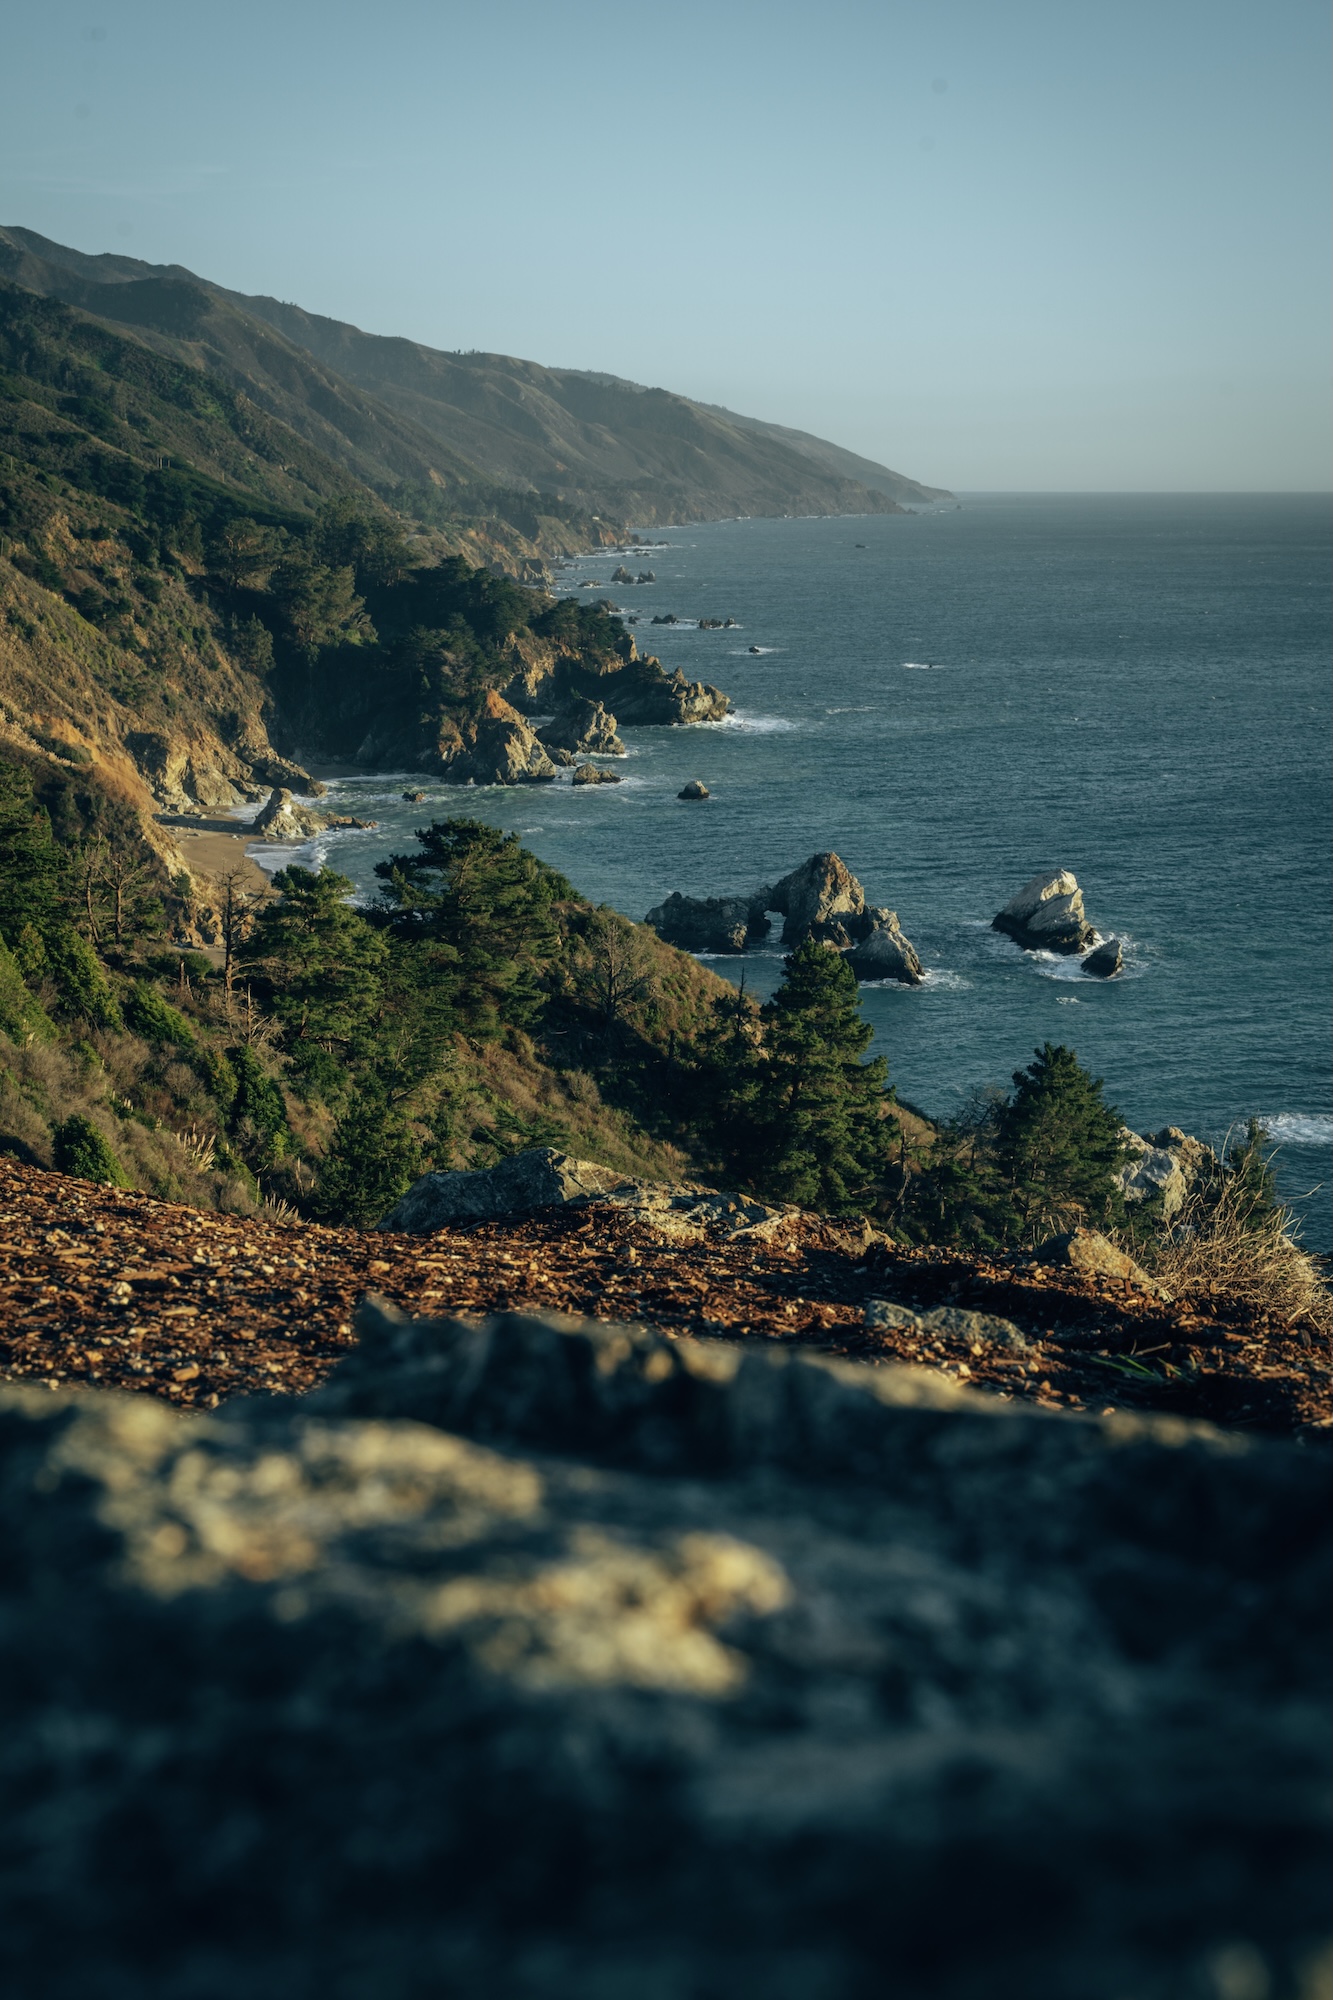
(552, 1659)
(884, 953)
(1165, 1167)
(583, 728)
(821, 899)
(497, 749)
(1047, 915)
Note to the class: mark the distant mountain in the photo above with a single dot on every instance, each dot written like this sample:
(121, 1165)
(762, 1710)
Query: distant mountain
(442, 434)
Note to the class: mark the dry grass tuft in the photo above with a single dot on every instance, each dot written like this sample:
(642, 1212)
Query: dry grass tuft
(1225, 1249)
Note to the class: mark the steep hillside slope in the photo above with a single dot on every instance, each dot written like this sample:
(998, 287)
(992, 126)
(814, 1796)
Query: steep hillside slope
(415, 421)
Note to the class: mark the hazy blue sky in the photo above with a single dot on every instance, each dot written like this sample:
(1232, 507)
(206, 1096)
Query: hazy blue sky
(995, 243)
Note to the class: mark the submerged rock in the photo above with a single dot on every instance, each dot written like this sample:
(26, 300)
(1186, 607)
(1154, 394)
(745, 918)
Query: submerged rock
(588, 774)
(552, 1658)
(1047, 915)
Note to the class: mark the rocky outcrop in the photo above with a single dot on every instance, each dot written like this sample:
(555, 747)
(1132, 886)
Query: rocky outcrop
(497, 748)
(723, 924)
(1087, 1251)
(884, 953)
(582, 728)
(1106, 961)
(635, 687)
(588, 774)
(285, 818)
(695, 789)
(544, 1178)
(546, 1658)
(1166, 1168)
(1047, 915)
(821, 899)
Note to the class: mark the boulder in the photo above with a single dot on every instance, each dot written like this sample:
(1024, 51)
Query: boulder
(884, 953)
(584, 728)
(696, 789)
(1166, 1168)
(588, 774)
(1105, 962)
(954, 1322)
(622, 575)
(544, 1178)
(413, 798)
(1047, 915)
(821, 899)
(708, 923)
(1088, 1252)
(273, 770)
(283, 818)
(543, 1658)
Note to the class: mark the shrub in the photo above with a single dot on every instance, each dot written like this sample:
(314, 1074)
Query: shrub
(150, 1016)
(79, 1148)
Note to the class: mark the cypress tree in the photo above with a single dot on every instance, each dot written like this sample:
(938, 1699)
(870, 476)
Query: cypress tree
(1059, 1146)
(821, 1134)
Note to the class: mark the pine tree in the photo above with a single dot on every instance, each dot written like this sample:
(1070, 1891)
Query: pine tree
(1059, 1146)
(821, 1133)
(372, 1158)
(323, 965)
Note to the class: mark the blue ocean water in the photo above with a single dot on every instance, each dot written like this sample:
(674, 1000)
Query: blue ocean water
(1134, 687)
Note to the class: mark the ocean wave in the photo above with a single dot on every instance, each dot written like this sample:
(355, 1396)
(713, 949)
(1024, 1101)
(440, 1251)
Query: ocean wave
(759, 725)
(748, 652)
(1300, 1128)
(921, 667)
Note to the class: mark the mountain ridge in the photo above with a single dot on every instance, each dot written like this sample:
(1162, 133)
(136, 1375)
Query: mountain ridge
(424, 425)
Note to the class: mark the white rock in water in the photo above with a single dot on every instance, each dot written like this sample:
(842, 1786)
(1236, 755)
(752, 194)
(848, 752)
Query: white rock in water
(1047, 914)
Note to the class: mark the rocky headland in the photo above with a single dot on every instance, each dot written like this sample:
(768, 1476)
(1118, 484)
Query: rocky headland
(821, 899)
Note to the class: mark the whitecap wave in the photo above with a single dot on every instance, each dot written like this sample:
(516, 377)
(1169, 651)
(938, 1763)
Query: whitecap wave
(1300, 1128)
(758, 725)
(921, 667)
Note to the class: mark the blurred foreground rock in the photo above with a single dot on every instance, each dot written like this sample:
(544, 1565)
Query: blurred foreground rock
(564, 1661)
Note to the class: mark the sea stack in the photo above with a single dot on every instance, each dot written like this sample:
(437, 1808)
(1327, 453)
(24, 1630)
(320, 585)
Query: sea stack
(1106, 961)
(1047, 915)
(696, 789)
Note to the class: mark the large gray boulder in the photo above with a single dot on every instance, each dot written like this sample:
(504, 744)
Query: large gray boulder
(884, 953)
(1164, 1169)
(1047, 915)
(558, 1660)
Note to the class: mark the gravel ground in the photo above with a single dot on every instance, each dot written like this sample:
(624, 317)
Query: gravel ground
(127, 1292)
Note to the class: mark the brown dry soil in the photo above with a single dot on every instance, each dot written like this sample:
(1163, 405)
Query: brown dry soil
(126, 1292)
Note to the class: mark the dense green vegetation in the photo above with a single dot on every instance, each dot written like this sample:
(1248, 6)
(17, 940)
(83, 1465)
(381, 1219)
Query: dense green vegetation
(477, 1006)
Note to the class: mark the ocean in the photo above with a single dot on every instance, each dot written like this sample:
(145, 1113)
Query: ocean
(1132, 687)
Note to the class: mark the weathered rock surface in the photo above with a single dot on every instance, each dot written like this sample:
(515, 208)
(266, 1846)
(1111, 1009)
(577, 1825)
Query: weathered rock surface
(588, 774)
(820, 899)
(636, 687)
(884, 953)
(1106, 961)
(1166, 1167)
(567, 1662)
(695, 789)
(284, 818)
(586, 728)
(708, 923)
(1087, 1250)
(1047, 915)
(498, 748)
(544, 1178)
(980, 1329)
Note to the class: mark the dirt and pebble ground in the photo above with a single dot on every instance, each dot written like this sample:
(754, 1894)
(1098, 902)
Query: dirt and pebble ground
(123, 1291)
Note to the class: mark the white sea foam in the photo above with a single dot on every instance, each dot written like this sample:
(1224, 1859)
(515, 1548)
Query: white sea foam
(758, 725)
(1300, 1128)
(921, 667)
